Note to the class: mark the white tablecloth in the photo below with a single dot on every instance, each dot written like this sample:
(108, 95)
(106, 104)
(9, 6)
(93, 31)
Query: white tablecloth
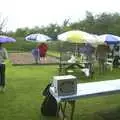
(91, 89)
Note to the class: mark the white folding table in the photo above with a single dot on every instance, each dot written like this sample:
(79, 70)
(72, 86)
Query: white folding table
(87, 90)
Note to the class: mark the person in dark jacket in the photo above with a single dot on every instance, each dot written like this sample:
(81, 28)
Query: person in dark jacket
(116, 55)
(101, 55)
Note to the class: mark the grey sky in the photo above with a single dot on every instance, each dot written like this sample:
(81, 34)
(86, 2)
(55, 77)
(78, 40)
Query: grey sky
(30, 13)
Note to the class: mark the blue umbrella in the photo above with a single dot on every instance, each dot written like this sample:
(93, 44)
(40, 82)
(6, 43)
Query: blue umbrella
(109, 39)
(37, 38)
(6, 39)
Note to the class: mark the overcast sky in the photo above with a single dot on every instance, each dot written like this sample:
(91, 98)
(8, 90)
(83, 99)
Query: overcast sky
(30, 13)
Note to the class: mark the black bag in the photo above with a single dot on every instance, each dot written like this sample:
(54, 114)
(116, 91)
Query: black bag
(49, 105)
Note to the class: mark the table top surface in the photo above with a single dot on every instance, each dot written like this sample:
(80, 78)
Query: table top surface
(91, 89)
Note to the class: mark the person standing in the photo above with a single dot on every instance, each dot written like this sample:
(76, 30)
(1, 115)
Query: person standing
(43, 50)
(116, 55)
(36, 55)
(88, 50)
(101, 56)
(3, 57)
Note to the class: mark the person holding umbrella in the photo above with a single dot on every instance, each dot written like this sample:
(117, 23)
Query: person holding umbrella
(3, 57)
(42, 51)
(42, 47)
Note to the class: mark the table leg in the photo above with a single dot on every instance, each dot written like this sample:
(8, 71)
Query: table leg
(72, 103)
(64, 108)
(61, 110)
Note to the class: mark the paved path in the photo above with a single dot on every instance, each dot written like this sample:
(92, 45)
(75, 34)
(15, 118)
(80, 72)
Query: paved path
(27, 58)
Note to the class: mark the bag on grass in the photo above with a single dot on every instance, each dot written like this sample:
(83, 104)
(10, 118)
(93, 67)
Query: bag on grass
(49, 105)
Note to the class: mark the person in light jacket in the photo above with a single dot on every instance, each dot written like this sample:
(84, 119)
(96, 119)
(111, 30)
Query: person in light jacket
(3, 57)
(35, 53)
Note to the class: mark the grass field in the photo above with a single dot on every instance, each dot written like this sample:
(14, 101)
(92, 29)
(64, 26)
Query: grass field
(23, 96)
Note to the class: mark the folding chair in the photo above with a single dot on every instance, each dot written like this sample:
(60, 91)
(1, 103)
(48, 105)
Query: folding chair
(109, 63)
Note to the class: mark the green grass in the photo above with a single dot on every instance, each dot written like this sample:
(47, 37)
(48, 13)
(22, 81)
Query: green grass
(53, 53)
(23, 96)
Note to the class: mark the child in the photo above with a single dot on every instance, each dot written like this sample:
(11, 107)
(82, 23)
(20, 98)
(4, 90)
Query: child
(35, 53)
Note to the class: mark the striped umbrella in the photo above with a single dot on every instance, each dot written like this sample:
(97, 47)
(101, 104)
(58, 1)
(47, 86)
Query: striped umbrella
(37, 38)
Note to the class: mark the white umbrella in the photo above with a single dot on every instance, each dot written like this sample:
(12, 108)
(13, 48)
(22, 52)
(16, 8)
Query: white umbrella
(37, 38)
(78, 36)
(40, 38)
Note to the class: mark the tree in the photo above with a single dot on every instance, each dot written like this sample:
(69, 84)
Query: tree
(52, 30)
(2, 24)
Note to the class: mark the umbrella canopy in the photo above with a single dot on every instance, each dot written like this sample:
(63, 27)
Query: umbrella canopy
(37, 38)
(109, 39)
(6, 39)
(77, 36)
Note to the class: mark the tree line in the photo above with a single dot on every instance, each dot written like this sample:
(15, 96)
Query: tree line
(98, 24)
(104, 23)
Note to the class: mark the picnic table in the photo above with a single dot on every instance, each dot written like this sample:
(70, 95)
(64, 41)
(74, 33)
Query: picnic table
(64, 67)
(85, 90)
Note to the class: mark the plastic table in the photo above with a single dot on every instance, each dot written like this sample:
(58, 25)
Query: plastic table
(86, 90)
